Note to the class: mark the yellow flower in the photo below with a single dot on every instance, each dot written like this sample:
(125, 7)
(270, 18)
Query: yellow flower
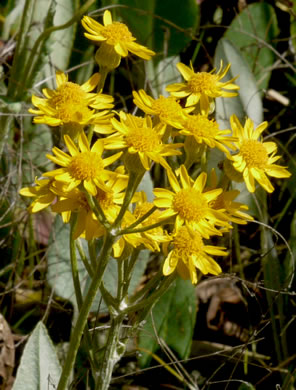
(189, 254)
(202, 87)
(207, 131)
(153, 236)
(255, 159)
(71, 104)
(42, 192)
(87, 225)
(190, 204)
(127, 241)
(224, 202)
(167, 109)
(82, 166)
(114, 37)
(145, 140)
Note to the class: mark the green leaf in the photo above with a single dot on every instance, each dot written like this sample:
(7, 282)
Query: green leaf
(246, 386)
(59, 274)
(174, 319)
(165, 26)
(37, 143)
(146, 185)
(39, 368)
(252, 31)
(164, 73)
(62, 40)
(248, 102)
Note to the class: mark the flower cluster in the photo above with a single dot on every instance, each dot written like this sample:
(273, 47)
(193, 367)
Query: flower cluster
(107, 153)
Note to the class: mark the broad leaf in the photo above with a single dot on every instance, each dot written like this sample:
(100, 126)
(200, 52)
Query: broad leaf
(253, 32)
(174, 319)
(248, 102)
(163, 74)
(39, 368)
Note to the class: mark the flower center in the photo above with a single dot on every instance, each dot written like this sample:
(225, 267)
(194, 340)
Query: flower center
(70, 103)
(201, 126)
(254, 153)
(143, 139)
(190, 204)
(117, 32)
(86, 166)
(187, 243)
(202, 82)
(167, 107)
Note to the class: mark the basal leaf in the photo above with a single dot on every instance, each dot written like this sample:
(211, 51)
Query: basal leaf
(174, 319)
(252, 31)
(39, 368)
(248, 102)
(163, 74)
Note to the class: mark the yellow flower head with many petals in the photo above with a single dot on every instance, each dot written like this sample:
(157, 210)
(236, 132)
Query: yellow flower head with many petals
(84, 165)
(71, 103)
(225, 201)
(255, 159)
(168, 110)
(202, 87)
(207, 131)
(153, 236)
(42, 193)
(189, 254)
(190, 204)
(143, 139)
(116, 41)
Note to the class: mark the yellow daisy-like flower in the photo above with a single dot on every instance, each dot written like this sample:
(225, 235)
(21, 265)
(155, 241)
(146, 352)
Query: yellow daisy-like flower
(116, 35)
(87, 225)
(109, 200)
(190, 204)
(145, 140)
(255, 159)
(167, 109)
(207, 131)
(202, 87)
(153, 236)
(42, 193)
(71, 104)
(189, 254)
(225, 201)
(127, 241)
(84, 165)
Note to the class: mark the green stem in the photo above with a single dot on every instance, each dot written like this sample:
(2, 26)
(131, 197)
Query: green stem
(82, 255)
(85, 309)
(77, 288)
(140, 220)
(148, 287)
(128, 270)
(92, 253)
(73, 258)
(113, 352)
(148, 302)
(133, 183)
(96, 208)
(143, 228)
